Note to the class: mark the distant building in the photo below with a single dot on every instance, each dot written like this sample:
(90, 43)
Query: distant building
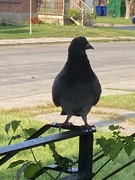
(100, 2)
(17, 10)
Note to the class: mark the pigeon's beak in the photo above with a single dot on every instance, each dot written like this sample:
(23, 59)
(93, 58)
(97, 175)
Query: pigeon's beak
(88, 46)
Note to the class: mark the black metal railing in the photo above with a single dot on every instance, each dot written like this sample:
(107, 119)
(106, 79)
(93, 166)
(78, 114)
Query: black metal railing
(84, 170)
(86, 158)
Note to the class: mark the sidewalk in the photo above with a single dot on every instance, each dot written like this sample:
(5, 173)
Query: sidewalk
(101, 120)
(33, 41)
(4, 42)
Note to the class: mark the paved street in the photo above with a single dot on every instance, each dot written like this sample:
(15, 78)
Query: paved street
(27, 72)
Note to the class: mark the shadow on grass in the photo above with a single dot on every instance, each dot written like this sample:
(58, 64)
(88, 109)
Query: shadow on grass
(15, 29)
(4, 27)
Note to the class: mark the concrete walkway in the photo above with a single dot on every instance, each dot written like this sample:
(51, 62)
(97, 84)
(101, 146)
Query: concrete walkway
(101, 121)
(5, 42)
(116, 26)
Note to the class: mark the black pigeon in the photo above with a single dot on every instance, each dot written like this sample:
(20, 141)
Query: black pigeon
(76, 88)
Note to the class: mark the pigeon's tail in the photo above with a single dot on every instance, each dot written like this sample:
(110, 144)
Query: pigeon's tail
(64, 113)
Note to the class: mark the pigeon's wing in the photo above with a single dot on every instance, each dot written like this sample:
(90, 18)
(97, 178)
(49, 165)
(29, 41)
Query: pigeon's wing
(56, 89)
(97, 90)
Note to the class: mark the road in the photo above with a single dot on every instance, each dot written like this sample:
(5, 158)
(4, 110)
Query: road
(27, 72)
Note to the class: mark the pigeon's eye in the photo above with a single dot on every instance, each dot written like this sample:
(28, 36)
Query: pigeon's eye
(79, 43)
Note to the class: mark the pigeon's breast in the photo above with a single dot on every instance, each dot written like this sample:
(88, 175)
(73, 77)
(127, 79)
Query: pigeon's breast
(76, 96)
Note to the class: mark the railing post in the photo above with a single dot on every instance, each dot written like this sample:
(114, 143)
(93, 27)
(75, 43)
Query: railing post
(86, 154)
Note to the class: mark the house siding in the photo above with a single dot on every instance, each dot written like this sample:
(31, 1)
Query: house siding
(89, 3)
(17, 10)
(100, 2)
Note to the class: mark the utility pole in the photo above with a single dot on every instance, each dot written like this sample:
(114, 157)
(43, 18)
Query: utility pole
(30, 17)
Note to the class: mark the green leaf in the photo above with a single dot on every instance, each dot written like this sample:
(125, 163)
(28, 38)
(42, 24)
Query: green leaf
(101, 141)
(15, 163)
(129, 144)
(7, 126)
(31, 170)
(128, 149)
(14, 138)
(30, 131)
(129, 139)
(15, 125)
(120, 145)
(21, 170)
(62, 161)
(52, 147)
(108, 146)
(113, 154)
(113, 127)
(59, 160)
(116, 133)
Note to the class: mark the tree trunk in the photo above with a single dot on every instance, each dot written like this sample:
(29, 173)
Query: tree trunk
(128, 8)
(127, 16)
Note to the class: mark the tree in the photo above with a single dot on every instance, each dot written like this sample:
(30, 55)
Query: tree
(128, 8)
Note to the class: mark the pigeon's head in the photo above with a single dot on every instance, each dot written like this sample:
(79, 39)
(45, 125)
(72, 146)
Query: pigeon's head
(79, 44)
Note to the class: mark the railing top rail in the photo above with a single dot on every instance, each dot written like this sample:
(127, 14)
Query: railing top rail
(31, 143)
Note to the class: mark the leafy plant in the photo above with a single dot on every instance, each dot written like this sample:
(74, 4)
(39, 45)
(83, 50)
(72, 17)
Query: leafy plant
(94, 15)
(113, 146)
(30, 168)
(110, 146)
(74, 13)
(59, 160)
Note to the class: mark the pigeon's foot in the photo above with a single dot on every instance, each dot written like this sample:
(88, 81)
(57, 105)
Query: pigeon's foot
(87, 126)
(64, 124)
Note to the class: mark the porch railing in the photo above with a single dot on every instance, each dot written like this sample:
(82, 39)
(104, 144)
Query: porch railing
(85, 12)
(52, 7)
(61, 7)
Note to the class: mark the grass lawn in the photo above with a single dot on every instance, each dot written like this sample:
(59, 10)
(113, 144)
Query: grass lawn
(114, 20)
(27, 117)
(52, 30)
(118, 101)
